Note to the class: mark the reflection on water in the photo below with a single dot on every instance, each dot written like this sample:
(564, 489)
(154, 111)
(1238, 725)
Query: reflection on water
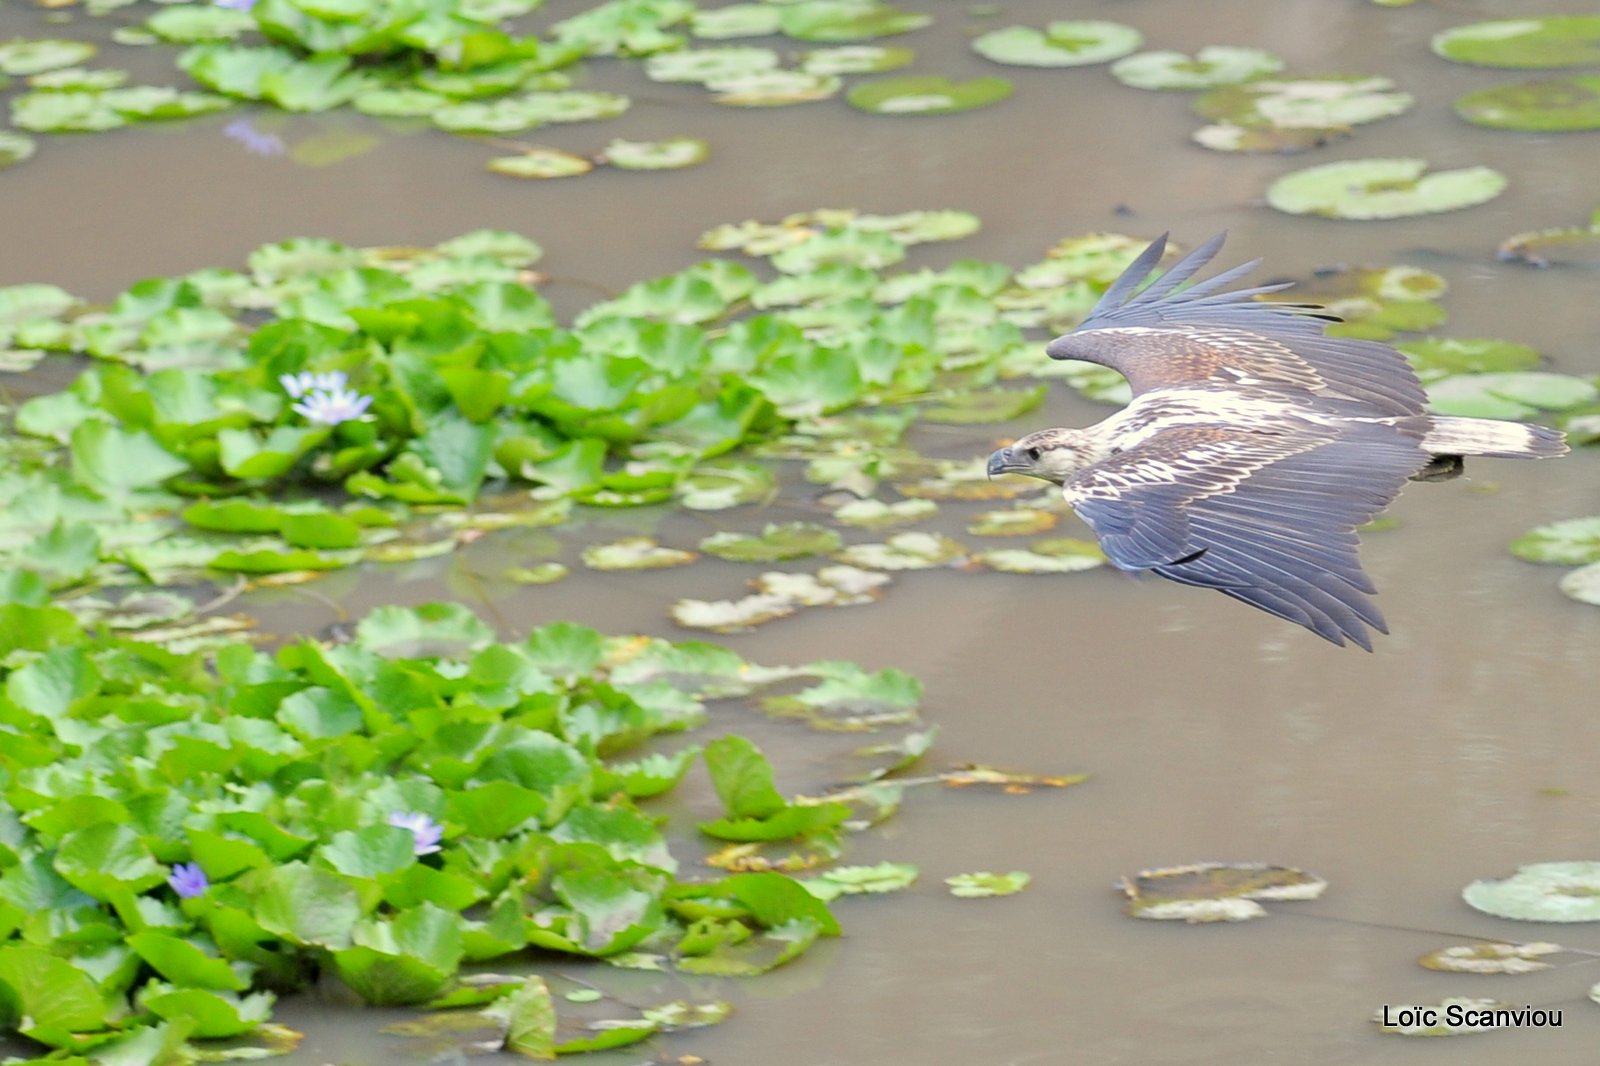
(1464, 746)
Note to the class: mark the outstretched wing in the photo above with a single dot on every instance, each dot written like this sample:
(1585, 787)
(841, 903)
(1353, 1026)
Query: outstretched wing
(1265, 517)
(1160, 336)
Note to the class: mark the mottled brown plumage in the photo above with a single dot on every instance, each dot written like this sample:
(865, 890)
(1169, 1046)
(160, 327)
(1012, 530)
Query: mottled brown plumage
(1254, 445)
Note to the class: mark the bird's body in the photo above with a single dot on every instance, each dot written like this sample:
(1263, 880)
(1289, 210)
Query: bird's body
(1254, 444)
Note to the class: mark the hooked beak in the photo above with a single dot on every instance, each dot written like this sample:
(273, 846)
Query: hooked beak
(1005, 461)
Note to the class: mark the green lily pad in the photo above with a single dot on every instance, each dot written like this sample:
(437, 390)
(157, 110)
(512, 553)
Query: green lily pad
(1212, 66)
(1541, 892)
(1215, 891)
(1061, 555)
(876, 514)
(905, 551)
(709, 64)
(1575, 246)
(855, 59)
(735, 20)
(984, 885)
(540, 163)
(1572, 542)
(1436, 357)
(1520, 394)
(1293, 114)
(927, 95)
(674, 153)
(773, 88)
(1367, 189)
(1554, 105)
(732, 616)
(846, 20)
(14, 148)
(1017, 522)
(20, 56)
(634, 553)
(831, 586)
(790, 540)
(1524, 43)
(1073, 43)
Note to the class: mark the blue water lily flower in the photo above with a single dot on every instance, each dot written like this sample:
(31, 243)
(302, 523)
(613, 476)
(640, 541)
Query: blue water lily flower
(188, 880)
(254, 141)
(428, 833)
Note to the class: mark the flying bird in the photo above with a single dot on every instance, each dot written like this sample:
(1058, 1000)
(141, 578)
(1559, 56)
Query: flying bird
(1254, 444)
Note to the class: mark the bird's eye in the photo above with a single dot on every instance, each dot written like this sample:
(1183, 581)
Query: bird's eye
(1033, 453)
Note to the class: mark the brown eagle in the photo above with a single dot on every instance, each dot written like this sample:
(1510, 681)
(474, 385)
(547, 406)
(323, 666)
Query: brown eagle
(1254, 445)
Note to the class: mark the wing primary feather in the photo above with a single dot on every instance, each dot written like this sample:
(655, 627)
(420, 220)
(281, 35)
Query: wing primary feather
(1128, 281)
(1186, 268)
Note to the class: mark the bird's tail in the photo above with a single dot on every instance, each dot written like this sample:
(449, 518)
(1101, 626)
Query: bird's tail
(1453, 435)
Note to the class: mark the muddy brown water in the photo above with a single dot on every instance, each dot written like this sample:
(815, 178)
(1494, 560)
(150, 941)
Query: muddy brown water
(1467, 744)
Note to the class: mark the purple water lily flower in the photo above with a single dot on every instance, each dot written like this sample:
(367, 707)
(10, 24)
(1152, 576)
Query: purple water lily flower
(428, 833)
(331, 408)
(188, 880)
(237, 5)
(254, 141)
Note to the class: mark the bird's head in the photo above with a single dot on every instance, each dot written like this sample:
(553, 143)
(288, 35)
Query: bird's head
(1051, 454)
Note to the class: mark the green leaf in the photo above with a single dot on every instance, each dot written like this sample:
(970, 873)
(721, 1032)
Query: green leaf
(23, 57)
(927, 95)
(1541, 892)
(215, 1015)
(409, 959)
(1382, 188)
(184, 963)
(1555, 105)
(743, 778)
(529, 1015)
(1210, 67)
(775, 901)
(1061, 44)
(306, 905)
(979, 885)
(115, 462)
(846, 20)
(1532, 42)
(107, 860)
(789, 540)
(1570, 543)
(49, 992)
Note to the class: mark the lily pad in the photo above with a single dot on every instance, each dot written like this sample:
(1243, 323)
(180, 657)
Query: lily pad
(876, 514)
(1017, 522)
(1213, 66)
(905, 551)
(1582, 584)
(14, 148)
(1367, 189)
(927, 95)
(23, 57)
(1435, 357)
(1572, 542)
(1524, 43)
(1073, 43)
(1293, 114)
(732, 616)
(1541, 892)
(540, 163)
(674, 153)
(634, 553)
(1520, 394)
(790, 540)
(735, 20)
(1025, 561)
(846, 20)
(773, 88)
(1491, 957)
(855, 59)
(1576, 246)
(1215, 891)
(984, 885)
(832, 586)
(1554, 105)
(709, 64)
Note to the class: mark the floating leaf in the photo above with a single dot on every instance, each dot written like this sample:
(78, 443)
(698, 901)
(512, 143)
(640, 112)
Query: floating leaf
(773, 88)
(1293, 114)
(1491, 957)
(634, 553)
(709, 64)
(855, 880)
(905, 551)
(1086, 556)
(542, 574)
(1541, 892)
(673, 153)
(735, 20)
(855, 59)
(1212, 66)
(997, 404)
(790, 540)
(876, 514)
(1520, 394)
(1215, 891)
(982, 885)
(1017, 522)
(1436, 357)
(732, 616)
(1556, 105)
(846, 20)
(1526, 43)
(14, 148)
(540, 163)
(1582, 584)
(1578, 246)
(927, 95)
(831, 586)
(1572, 542)
(18, 56)
(1061, 44)
(1382, 188)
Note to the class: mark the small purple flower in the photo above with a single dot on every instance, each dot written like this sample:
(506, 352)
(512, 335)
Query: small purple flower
(188, 880)
(331, 408)
(254, 141)
(427, 831)
(297, 385)
(237, 5)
